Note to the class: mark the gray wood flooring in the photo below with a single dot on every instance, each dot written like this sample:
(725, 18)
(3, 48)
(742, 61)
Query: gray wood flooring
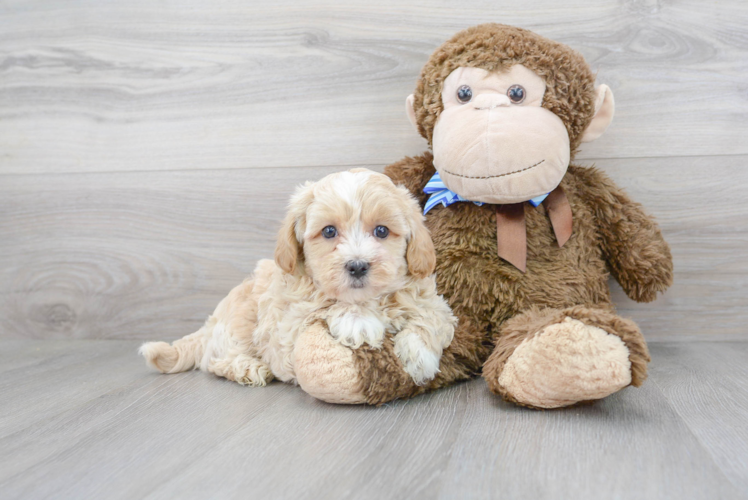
(87, 419)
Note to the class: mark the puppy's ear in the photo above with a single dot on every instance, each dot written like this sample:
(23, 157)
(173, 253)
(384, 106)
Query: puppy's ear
(420, 254)
(289, 251)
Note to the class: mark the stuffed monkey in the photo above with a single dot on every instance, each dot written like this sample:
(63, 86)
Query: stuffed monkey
(525, 240)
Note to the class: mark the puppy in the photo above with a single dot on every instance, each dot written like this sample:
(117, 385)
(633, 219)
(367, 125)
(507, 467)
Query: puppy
(353, 251)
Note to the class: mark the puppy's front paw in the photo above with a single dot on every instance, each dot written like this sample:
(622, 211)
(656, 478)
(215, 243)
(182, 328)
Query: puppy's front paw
(420, 363)
(353, 330)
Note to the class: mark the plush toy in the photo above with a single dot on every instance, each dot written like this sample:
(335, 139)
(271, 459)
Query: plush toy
(525, 241)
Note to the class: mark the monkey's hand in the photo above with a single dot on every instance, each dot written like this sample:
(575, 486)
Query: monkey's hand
(325, 369)
(637, 254)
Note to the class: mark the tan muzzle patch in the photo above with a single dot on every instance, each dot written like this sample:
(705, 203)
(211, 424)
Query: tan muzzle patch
(500, 154)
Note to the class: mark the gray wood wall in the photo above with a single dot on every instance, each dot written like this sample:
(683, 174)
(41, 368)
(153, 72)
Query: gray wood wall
(147, 149)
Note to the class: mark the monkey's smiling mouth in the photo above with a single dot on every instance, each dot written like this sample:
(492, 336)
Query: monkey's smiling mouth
(493, 176)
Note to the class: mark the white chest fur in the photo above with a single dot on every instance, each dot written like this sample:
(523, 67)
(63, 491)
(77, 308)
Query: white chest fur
(355, 324)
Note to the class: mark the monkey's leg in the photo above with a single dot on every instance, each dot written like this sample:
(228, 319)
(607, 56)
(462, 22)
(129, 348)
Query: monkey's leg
(557, 357)
(336, 374)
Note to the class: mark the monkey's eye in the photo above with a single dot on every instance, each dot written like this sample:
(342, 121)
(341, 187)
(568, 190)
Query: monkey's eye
(464, 94)
(381, 232)
(516, 94)
(329, 232)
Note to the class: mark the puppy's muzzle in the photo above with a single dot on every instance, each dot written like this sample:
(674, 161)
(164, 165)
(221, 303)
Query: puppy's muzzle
(357, 268)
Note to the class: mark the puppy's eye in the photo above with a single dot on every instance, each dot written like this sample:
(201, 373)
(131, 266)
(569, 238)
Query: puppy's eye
(381, 232)
(329, 232)
(464, 94)
(516, 93)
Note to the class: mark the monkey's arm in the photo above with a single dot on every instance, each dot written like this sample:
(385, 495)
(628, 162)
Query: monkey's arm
(413, 173)
(637, 254)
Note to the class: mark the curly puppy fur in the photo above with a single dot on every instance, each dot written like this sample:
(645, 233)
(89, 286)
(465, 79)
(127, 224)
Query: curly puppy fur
(252, 335)
(611, 233)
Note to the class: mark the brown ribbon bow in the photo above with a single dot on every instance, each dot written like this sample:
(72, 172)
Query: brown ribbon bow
(511, 233)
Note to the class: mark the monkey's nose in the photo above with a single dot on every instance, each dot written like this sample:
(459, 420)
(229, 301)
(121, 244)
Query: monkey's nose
(357, 268)
(490, 101)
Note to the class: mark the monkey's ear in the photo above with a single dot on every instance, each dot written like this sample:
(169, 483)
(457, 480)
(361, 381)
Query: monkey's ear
(604, 110)
(411, 112)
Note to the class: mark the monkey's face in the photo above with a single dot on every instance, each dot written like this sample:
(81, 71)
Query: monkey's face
(493, 142)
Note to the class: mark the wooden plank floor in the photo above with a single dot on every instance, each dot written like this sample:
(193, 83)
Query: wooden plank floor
(86, 419)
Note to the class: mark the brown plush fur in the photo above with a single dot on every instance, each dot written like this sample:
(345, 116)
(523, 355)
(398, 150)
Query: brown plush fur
(383, 376)
(498, 306)
(611, 234)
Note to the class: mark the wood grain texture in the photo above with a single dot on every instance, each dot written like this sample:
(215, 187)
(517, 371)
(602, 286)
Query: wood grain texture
(148, 255)
(87, 86)
(138, 434)
(623, 447)
(36, 390)
(706, 386)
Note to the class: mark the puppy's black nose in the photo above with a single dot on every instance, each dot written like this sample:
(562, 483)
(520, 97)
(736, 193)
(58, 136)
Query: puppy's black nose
(357, 268)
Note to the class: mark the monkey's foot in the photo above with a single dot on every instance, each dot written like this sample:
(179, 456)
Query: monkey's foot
(566, 363)
(568, 360)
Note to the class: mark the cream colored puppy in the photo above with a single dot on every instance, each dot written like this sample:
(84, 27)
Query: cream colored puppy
(353, 251)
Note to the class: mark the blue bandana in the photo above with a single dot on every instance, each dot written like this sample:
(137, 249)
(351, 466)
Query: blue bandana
(440, 194)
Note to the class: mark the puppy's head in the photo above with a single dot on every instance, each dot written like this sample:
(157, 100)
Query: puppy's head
(356, 234)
